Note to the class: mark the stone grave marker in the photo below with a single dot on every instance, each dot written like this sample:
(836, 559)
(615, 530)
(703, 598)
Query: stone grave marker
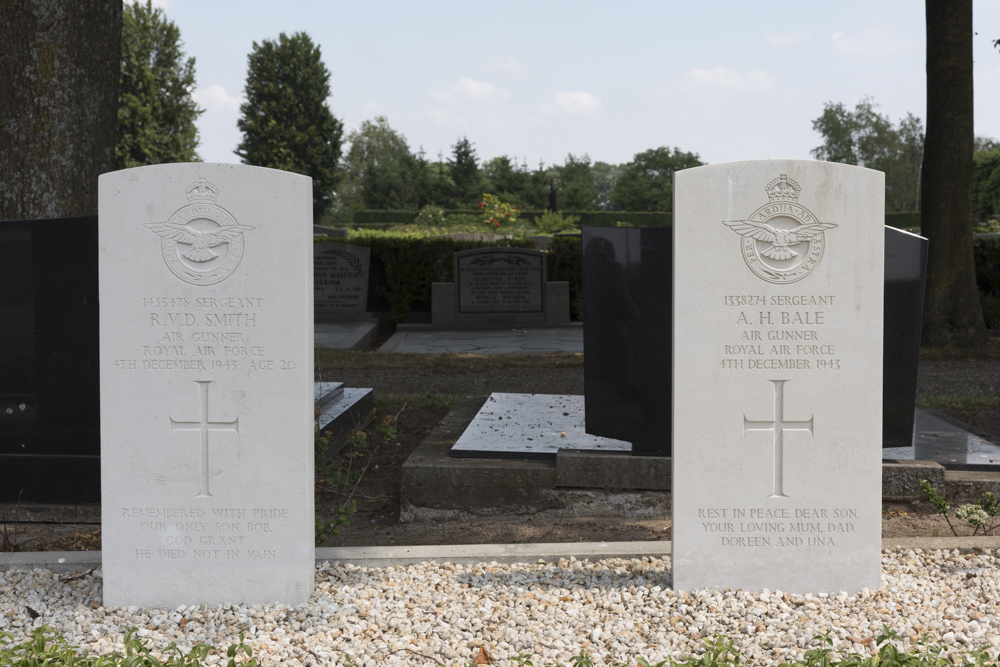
(340, 281)
(206, 385)
(777, 391)
(500, 286)
(49, 409)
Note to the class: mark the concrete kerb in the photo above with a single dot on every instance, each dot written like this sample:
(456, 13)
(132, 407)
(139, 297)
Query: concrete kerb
(470, 554)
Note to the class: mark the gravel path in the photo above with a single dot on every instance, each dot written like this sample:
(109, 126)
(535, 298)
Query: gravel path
(614, 609)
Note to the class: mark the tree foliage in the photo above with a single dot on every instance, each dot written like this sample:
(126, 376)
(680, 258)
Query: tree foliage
(285, 120)
(647, 182)
(156, 113)
(867, 138)
(381, 171)
(986, 181)
(464, 171)
(575, 184)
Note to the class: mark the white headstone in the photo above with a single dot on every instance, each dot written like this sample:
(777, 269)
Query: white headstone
(206, 385)
(777, 361)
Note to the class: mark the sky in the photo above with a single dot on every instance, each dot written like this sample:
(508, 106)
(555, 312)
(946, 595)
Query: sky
(538, 80)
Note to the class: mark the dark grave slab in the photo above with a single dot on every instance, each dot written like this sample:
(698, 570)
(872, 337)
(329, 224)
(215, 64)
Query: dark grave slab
(340, 282)
(627, 305)
(49, 381)
(506, 286)
(627, 284)
(905, 270)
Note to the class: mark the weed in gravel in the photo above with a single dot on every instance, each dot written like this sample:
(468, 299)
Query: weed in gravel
(981, 515)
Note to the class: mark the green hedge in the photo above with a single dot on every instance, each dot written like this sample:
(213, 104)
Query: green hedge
(385, 219)
(566, 263)
(909, 220)
(369, 218)
(412, 263)
(987, 254)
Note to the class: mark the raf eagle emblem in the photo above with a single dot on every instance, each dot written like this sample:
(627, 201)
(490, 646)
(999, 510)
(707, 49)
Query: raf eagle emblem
(203, 242)
(779, 239)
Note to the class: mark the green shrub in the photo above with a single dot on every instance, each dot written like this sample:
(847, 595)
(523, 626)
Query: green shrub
(551, 222)
(566, 263)
(430, 216)
(412, 262)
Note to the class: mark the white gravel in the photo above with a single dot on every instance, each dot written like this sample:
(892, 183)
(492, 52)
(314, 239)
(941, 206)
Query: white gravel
(615, 609)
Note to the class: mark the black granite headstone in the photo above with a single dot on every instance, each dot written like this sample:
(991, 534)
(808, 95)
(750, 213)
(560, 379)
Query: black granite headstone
(905, 270)
(627, 306)
(49, 377)
(627, 328)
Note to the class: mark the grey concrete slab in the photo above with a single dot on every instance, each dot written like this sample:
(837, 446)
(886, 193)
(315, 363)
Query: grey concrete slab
(934, 439)
(344, 335)
(534, 426)
(486, 341)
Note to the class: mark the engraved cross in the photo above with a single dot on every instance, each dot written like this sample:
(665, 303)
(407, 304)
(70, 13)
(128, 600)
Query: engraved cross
(203, 426)
(779, 426)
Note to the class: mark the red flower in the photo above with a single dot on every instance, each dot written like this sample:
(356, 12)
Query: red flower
(480, 204)
(497, 224)
(492, 220)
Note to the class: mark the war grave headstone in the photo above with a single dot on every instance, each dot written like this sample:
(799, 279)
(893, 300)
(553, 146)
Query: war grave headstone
(206, 385)
(507, 286)
(340, 282)
(627, 285)
(49, 384)
(776, 455)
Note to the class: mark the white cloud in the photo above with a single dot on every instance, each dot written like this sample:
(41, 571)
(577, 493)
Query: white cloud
(470, 89)
(786, 40)
(161, 4)
(215, 98)
(507, 65)
(874, 41)
(730, 79)
(577, 103)
(217, 126)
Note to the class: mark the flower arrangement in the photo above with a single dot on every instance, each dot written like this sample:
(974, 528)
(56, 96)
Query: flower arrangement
(495, 210)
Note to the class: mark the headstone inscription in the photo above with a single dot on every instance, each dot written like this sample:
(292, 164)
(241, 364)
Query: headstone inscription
(500, 281)
(49, 408)
(206, 385)
(777, 411)
(340, 281)
(500, 286)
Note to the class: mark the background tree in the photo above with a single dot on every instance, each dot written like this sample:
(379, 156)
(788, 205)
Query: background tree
(156, 113)
(285, 121)
(866, 138)
(381, 171)
(605, 177)
(647, 182)
(986, 180)
(575, 183)
(464, 170)
(952, 313)
(59, 68)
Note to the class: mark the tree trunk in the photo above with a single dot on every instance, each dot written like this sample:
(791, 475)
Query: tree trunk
(952, 313)
(59, 68)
